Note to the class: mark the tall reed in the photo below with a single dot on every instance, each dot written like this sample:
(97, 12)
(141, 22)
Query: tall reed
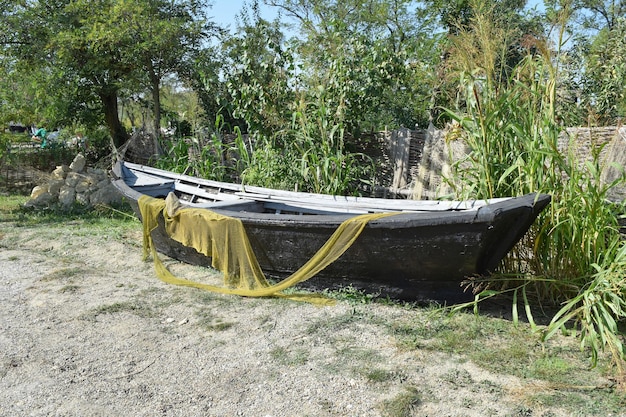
(574, 254)
(201, 155)
(311, 154)
(325, 164)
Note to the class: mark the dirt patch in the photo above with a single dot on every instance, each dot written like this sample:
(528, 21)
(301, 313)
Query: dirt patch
(86, 328)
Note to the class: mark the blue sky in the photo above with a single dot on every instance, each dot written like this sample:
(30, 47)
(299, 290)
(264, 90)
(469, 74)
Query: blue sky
(225, 11)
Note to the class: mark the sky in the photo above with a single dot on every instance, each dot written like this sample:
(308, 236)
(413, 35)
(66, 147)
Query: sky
(225, 11)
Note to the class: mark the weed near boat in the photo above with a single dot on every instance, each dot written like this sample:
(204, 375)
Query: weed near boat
(574, 257)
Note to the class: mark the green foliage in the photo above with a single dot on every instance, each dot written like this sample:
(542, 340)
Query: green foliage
(403, 404)
(598, 14)
(197, 156)
(269, 166)
(574, 254)
(5, 147)
(97, 145)
(317, 144)
(457, 15)
(374, 63)
(599, 307)
(310, 156)
(69, 62)
(260, 69)
(193, 156)
(366, 80)
(307, 154)
(157, 37)
(605, 71)
(23, 97)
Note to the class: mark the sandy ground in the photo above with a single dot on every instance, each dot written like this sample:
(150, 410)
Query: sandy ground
(86, 329)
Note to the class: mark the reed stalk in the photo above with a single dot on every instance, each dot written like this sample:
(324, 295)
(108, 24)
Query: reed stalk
(574, 255)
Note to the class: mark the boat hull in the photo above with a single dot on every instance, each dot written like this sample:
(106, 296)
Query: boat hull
(415, 256)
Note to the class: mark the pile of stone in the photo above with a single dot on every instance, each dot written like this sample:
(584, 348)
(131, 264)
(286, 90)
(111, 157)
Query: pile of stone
(75, 183)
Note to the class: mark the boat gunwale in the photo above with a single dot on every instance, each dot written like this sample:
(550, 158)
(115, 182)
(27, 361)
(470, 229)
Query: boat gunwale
(256, 192)
(484, 213)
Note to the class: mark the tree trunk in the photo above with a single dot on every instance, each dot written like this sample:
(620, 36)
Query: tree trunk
(111, 117)
(155, 81)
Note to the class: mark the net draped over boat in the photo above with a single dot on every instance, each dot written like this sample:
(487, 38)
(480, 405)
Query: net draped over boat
(224, 239)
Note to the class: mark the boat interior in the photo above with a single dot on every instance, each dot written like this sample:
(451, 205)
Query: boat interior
(194, 192)
(212, 198)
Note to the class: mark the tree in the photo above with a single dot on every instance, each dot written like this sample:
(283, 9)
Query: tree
(59, 39)
(164, 35)
(599, 46)
(600, 14)
(259, 72)
(375, 58)
(485, 39)
(101, 49)
(605, 74)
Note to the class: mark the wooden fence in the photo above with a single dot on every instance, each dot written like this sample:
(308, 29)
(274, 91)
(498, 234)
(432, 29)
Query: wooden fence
(415, 163)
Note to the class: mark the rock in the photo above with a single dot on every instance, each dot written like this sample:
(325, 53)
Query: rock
(74, 178)
(78, 164)
(38, 190)
(104, 183)
(67, 196)
(97, 172)
(84, 183)
(105, 195)
(54, 186)
(42, 200)
(60, 172)
(82, 198)
(76, 183)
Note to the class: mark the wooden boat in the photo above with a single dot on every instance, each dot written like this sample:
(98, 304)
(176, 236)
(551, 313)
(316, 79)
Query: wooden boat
(422, 253)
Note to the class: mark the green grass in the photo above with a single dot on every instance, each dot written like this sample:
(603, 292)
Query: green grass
(345, 320)
(502, 347)
(104, 222)
(10, 205)
(212, 323)
(495, 344)
(582, 402)
(558, 366)
(137, 308)
(12, 211)
(458, 377)
(63, 273)
(379, 375)
(402, 405)
(289, 356)
(70, 289)
(574, 255)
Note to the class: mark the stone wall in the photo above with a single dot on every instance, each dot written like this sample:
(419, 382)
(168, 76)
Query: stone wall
(75, 183)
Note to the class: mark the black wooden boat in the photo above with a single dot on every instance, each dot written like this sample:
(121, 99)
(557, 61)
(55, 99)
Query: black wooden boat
(422, 253)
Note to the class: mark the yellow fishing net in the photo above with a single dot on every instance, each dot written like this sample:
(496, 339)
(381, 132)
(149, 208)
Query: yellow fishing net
(224, 239)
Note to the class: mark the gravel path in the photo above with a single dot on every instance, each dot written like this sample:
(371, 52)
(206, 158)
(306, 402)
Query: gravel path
(86, 329)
